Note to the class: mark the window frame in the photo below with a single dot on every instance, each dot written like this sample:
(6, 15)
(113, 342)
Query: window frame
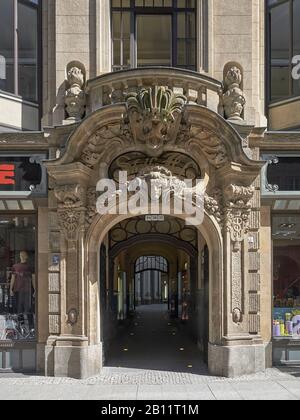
(269, 66)
(16, 92)
(135, 11)
(22, 343)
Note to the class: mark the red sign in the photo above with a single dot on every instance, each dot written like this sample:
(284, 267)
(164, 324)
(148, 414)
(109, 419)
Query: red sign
(7, 175)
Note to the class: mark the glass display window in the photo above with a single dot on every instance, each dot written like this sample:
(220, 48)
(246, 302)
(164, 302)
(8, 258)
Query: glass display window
(17, 277)
(286, 288)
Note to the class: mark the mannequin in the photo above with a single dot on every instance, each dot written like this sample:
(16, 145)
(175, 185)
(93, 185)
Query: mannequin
(22, 281)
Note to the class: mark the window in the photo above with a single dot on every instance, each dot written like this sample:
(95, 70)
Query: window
(284, 44)
(284, 173)
(151, 280)
(151, 263)
(17, 277)
(19, 48)
(286, 281)
(149, 33)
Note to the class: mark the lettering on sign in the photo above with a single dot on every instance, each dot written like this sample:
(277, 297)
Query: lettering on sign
(7, 174)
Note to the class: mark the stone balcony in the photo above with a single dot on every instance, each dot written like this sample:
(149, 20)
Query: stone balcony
(112, 88)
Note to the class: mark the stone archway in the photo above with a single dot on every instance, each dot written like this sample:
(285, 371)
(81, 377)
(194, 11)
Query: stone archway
(157, 122)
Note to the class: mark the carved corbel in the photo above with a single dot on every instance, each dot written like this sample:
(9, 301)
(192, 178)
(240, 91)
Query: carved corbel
(71, 209)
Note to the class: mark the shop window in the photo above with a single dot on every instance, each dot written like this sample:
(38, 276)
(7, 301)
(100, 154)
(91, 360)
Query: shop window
(17, 277)
(286, 277)
(154, 33)
(284, 44)
(19, 21)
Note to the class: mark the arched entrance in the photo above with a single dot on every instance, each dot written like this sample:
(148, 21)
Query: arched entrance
(155, 284)
(174, 141)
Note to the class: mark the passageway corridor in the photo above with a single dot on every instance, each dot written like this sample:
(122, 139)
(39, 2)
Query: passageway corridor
(153, 341)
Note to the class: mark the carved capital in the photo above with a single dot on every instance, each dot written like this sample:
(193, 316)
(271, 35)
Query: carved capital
(237, 211)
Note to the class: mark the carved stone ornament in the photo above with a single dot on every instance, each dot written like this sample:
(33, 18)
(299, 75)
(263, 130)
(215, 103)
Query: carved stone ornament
(107, 141)
(237, 316)
(154, 116)
(161, 183)
(71, 209)
(71, 221)
(75, 98)
(70, 196)
(237, 211)
(91, 205)
(72, 317)
(213, 204)
(207, 143)
(233, 99)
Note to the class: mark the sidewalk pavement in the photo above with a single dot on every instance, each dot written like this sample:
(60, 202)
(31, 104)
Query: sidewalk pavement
(130, 384)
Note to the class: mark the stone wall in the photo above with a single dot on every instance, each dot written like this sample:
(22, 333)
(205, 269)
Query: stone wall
(80, 31)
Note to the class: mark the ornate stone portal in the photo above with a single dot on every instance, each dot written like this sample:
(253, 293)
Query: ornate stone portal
(155, 123)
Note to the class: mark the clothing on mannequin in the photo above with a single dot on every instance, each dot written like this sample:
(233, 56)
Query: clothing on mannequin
(22, 282)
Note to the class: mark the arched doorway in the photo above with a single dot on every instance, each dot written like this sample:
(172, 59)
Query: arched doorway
(155, 313)
(178, 141)
(151, 281)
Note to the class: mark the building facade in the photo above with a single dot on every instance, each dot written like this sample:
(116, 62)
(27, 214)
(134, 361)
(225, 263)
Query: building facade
(165, 90)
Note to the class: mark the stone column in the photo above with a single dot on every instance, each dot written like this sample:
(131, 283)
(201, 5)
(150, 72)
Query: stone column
(70, 350)
(241, 350)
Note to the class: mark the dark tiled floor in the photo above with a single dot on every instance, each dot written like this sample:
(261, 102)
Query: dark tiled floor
(154, 341)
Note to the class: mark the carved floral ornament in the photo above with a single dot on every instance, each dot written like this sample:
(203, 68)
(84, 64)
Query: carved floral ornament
(156, 117)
